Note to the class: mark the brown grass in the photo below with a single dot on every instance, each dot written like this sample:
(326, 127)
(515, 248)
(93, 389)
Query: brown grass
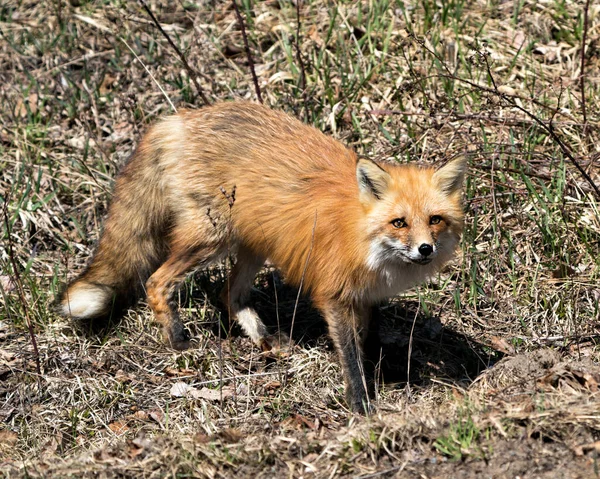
(504, 365)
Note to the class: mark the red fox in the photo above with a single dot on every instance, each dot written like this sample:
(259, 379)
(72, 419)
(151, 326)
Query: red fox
(242, 178)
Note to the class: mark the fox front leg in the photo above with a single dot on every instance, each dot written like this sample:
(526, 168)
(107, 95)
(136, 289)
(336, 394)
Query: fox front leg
(348, 327)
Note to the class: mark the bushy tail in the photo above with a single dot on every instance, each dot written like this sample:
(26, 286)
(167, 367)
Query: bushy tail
(132, 245)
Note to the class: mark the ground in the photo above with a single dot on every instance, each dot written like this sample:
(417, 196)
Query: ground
(489, 370)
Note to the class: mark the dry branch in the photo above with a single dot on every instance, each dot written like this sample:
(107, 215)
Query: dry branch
(248, 53)
(193, 75)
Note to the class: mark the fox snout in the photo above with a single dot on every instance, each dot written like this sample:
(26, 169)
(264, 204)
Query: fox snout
(423, 253)
(426, 250)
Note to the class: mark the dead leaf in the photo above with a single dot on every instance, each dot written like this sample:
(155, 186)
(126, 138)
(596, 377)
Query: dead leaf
(79, 142)
(8, 438)
(212, 394)
(123, 377)
(141, 442)
(107, 83)
(157, 415)
(299, 422)
(180, 389)
(585, 448)
(507, 90)
(118, 427)
(31, 102)
(102, 455)
(586, 380)
(518, 39)
(500, 344)
(49, 448)
(563, 271)
(6, 283)
(230, 435)
(179, 372)
(313, 34)
(120, 131)
(137, 446)
(271, 385)
(201, 438)
(231, 51)
(6, 356)
(6, 413)
(140, 415)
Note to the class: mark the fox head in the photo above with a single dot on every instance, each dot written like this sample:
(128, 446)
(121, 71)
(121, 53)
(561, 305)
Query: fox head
(413, 214)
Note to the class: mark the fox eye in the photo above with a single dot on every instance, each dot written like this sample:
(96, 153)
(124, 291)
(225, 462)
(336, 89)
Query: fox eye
(399, 223)
(435, 219)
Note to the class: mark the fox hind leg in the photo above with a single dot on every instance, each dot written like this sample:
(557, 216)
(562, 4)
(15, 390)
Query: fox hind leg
(163, 284)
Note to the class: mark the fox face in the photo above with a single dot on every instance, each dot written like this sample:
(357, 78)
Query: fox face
(413, 214)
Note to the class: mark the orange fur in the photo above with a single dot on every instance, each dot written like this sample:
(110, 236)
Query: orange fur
(242, 176)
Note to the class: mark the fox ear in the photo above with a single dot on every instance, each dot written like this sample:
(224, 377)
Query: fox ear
(451, 176)
(372, 179)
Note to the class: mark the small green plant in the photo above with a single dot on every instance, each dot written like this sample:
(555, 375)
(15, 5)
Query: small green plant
(461, 439)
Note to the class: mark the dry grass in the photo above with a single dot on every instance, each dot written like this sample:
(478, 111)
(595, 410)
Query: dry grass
(504, 367)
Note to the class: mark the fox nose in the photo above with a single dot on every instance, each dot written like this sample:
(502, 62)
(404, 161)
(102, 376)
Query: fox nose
(425, 249)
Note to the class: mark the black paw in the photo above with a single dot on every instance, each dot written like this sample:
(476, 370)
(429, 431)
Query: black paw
(178, 337)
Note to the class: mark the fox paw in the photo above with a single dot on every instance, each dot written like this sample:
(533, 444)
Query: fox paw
(177, 337)
(276, 345)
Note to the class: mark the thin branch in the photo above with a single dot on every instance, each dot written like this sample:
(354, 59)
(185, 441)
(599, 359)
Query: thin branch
(300, 61)
(149, 73)
(582, 71)
(451, 76)
(19, 286)
(248, 54)
(548, 127)
(453, 115)
(410, 345)
(191, 72)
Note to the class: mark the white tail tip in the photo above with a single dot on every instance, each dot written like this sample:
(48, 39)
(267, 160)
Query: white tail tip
(85, 301)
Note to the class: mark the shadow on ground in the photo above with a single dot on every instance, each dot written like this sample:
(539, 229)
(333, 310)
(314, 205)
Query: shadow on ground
(434, 350)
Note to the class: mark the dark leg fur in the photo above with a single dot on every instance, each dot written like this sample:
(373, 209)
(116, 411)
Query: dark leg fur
(164, 283)
(348, 327)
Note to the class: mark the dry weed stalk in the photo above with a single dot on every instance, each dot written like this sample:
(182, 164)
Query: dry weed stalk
(586, 9)
(547, 126)
(248, 53)
(301, 61)
(193, 75)
(16, 280)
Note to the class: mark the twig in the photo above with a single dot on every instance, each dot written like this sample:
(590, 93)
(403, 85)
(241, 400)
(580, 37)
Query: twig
(384, 472)
(149, 73)
(19, 286)
(410, 344)
(248, 54)
(300, 61)
(504, 120)
(451, 76)
(548, 127)
(106, 29)
(193, 75)
(582, 71)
